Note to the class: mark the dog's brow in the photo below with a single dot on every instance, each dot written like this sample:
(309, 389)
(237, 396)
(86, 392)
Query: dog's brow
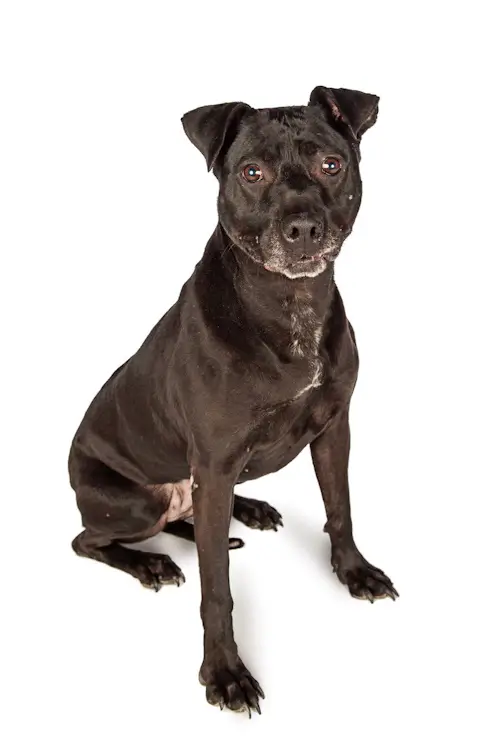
(261, 153)
(309, 148)
(258, 156)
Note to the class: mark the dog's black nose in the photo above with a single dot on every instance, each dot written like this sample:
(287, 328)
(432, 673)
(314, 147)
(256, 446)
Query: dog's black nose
(302, 233)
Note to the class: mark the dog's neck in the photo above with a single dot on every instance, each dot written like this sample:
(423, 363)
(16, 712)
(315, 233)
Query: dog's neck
(288, 313)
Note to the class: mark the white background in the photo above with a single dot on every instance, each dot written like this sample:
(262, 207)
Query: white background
(105, 208)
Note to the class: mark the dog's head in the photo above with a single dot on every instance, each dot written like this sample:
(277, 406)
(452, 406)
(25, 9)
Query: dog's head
(290, 187)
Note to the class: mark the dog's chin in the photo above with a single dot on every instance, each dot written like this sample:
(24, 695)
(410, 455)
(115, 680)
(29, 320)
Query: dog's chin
(304, 269)
(301, 269)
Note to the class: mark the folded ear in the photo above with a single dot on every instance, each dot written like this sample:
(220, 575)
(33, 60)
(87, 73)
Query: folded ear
(353, 110)
(211, 129)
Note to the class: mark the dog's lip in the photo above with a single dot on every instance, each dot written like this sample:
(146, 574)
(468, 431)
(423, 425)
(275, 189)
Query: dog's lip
(305, 263)
(324, 254)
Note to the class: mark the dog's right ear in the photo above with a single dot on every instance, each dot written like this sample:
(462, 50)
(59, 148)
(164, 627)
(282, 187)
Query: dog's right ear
(211, 129)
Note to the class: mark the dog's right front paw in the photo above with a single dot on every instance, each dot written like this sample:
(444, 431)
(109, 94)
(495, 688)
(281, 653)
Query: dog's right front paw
(233, 688)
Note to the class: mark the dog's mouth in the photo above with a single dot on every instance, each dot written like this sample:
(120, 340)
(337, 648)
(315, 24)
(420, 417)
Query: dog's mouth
(280, 261)
(307, 266)
(268, 251)
(327, 254)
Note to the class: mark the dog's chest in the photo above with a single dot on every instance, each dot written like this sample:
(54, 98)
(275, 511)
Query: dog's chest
(305, 332)
(305, 327)
(303, 373)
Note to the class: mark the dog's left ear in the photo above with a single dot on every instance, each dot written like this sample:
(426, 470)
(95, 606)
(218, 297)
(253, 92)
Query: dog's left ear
(211, 129)
(354, 111)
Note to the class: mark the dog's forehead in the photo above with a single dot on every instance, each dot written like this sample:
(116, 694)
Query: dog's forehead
(275, 134)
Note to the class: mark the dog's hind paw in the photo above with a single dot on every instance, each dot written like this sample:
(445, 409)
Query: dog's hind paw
(256, 514)
(155, 571)
(234, 689)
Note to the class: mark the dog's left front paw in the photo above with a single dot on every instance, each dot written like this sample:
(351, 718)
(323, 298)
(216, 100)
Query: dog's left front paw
(364, 581)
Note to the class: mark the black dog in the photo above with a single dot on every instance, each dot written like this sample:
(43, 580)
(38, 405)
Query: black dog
(255, 361)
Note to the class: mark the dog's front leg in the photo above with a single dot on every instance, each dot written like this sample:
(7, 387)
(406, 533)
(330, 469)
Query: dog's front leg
(228, 682)
(330, 454)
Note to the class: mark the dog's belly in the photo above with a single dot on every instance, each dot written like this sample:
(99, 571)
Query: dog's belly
(273, 457)
(292, 429)
(270, 461)
(177, 498)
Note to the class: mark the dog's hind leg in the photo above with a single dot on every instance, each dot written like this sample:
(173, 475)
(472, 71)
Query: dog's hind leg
(185, 530)
(256, 514)
(151, 569)
(114, 510)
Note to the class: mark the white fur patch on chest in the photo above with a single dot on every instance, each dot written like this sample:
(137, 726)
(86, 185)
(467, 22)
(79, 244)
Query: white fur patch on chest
(305, 332)
(316, 380)
(305, 329)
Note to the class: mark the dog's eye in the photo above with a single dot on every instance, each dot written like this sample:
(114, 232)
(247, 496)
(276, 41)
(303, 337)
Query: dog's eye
(252, 173)
(331, 165)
